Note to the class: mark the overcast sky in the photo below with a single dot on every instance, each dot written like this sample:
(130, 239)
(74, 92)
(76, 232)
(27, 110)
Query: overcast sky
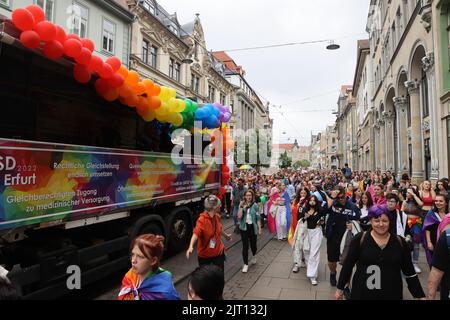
(297, 78)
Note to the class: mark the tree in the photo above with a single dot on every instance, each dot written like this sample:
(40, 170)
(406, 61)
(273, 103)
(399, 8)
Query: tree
(245, 154)
(284, 161)
(301, 164)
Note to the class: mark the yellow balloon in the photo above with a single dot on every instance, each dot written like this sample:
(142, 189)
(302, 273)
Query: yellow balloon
(164, 95)
(181, 105)
(176, 119)
(163, 110)
(172, 93)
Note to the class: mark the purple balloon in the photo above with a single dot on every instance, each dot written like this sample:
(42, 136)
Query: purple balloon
(217, 105)
(226, 117)
(223, 109)
(222, 117)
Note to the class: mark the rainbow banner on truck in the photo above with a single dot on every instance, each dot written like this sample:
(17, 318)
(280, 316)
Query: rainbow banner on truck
(43, 183)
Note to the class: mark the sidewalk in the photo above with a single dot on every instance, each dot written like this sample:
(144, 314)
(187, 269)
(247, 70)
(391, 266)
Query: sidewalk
(272, 278)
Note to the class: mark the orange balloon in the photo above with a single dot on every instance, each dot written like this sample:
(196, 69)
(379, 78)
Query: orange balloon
(148, 84)
(155, 91)
(123, 71)
(149, 116)
(133, 78)
(132, 101)
(142, 106)
(125, 91)
(139, 89)
(154, 102)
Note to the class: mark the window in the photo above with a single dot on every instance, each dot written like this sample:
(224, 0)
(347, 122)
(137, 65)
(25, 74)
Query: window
(173, 28)
(174, 70)
(145, 46)
(195, 83)
(424, 93)
(211, 93)
(48, 7)
(222, 98)
(109, 35)
(153, 55)
(80, 16)
(149, 6)
(4, 3)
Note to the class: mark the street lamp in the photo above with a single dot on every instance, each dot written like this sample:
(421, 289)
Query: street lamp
(333, 46)
(187, 60)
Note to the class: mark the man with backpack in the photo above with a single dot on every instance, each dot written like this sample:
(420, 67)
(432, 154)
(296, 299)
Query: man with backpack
(347, 173)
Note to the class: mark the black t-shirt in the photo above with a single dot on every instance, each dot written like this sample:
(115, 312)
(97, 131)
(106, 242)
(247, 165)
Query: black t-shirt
(257, 199)
(441, 261)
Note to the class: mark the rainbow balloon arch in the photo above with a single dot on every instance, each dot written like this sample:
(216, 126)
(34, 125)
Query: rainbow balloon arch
(116, 82)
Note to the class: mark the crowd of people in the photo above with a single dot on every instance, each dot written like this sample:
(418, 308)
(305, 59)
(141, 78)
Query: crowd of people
(368, 219)
(374, 224)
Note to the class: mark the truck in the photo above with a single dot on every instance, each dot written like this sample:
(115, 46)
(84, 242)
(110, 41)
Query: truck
(81, 177)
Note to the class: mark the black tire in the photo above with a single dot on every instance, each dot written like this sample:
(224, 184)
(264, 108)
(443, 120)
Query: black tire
(180, 232)
(150, 228)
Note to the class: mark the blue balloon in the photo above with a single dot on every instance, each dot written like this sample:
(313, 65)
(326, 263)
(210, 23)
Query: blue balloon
(216, 112)
(201, 114)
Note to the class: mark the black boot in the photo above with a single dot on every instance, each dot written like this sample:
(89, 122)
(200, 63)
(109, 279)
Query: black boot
(333, 281)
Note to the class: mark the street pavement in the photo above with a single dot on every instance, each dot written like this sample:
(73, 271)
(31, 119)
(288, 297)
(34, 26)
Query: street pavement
(272, 278)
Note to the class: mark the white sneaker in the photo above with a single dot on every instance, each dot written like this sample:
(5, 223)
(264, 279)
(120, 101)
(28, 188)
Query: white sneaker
(417, 269)
(245, 269)
(295, 269)
(253, 262)
(314, 281)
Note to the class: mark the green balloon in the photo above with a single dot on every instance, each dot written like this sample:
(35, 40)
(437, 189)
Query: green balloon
(263, 199)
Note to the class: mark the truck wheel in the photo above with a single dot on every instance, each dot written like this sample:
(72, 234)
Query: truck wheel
(150, 228)
(180, 232)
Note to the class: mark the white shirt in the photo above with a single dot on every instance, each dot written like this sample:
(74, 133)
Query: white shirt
(364, 212)
(248, 216)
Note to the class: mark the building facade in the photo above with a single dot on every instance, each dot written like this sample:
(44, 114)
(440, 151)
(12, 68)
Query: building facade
(404, 88)
(346, 124)
(362, 90)
(175, 55)
(106, 22)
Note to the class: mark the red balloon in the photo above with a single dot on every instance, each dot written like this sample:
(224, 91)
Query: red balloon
(30, 39)
(84, 57)
(53, 49)
(60, 35)
(88, 44)
(46, 30)
(116, 81)
(225, 169)
(96, 64)
(23, 19)
(114, 62)
(73, 36)
(106, 72)
(111, 95)
(81, 74)
(101, 86)
(37, 12)
(72, 48)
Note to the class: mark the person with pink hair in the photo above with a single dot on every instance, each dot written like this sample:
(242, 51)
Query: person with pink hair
(274, 195)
